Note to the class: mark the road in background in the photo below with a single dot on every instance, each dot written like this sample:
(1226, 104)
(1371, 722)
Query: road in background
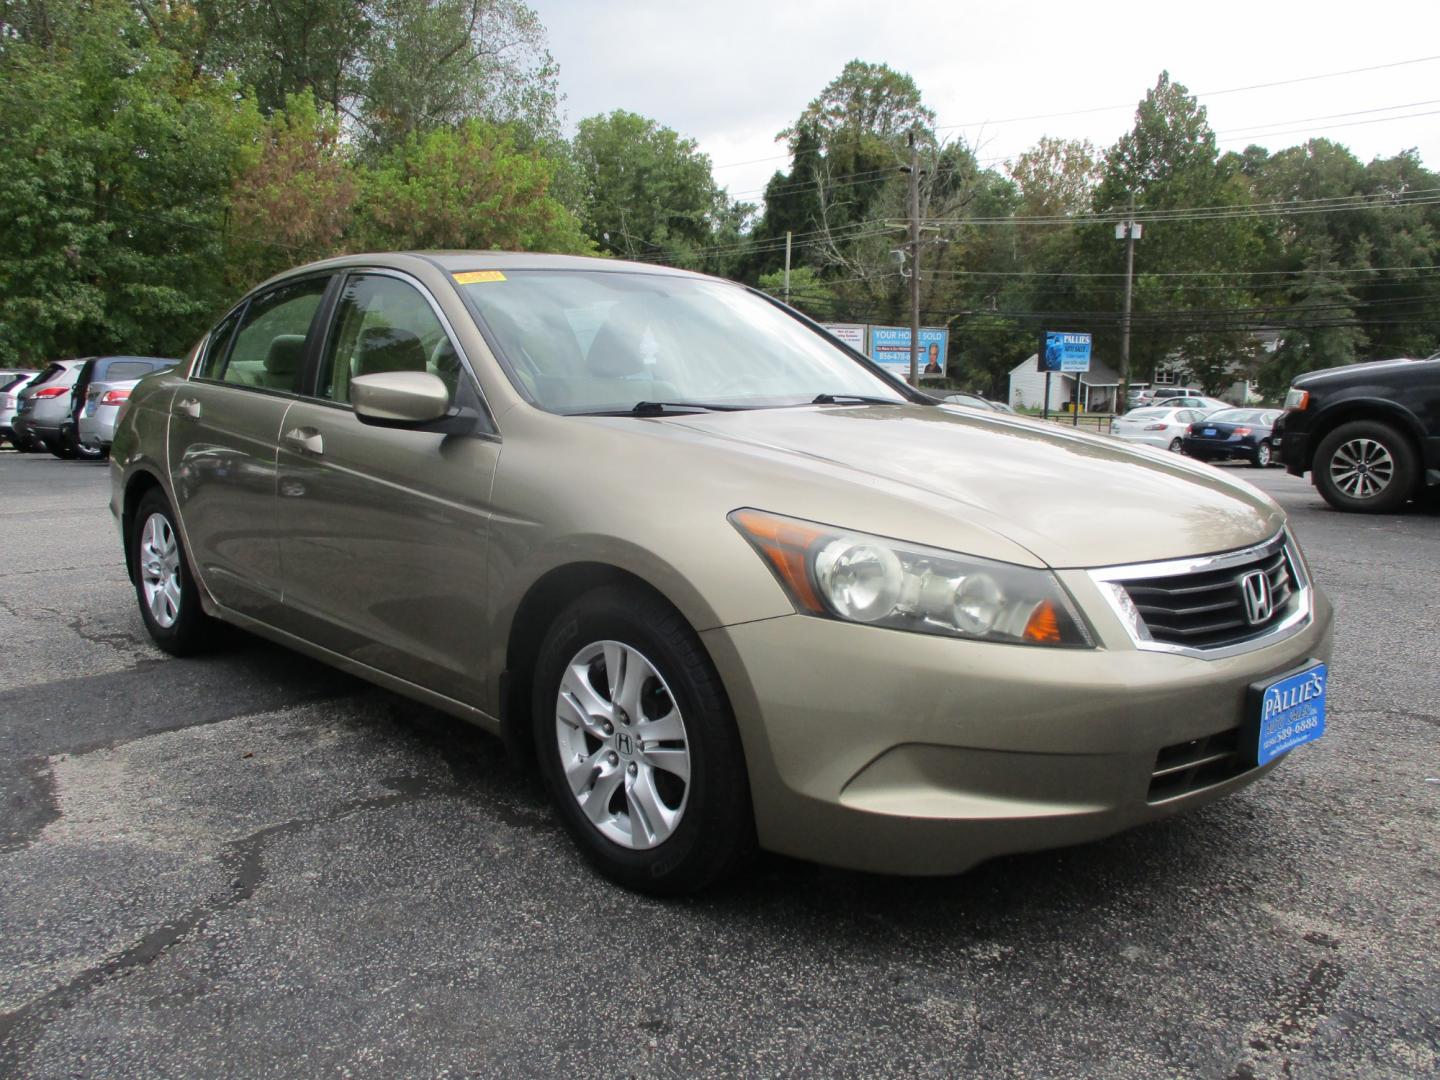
(248, 864)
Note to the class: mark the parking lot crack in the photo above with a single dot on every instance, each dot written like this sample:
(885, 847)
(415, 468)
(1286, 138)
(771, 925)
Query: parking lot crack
(22, 1027)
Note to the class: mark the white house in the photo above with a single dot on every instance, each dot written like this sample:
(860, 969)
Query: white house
(1096, 388)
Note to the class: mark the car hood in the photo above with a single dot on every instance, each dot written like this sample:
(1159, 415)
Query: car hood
(1068, 498)
(1358, 372)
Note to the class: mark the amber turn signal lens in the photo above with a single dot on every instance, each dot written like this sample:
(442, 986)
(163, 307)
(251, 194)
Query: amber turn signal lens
(1044, 624)
(785, 544)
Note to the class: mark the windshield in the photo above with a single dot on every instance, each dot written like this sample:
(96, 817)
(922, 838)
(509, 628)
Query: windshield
(602, 341)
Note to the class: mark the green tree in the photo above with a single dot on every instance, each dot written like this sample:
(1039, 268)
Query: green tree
(117, 167)
(1192, 266)
(808, 291)
(1056, 177)
(1323, 332)
(467, 187)
(292, 202)
(646, 190)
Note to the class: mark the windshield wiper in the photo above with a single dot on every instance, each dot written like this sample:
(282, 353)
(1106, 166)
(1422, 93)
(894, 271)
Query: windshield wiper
(658, 408)
(857, 399)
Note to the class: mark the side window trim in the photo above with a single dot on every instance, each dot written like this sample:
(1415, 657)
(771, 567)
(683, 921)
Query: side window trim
(312, 389)
(202, 355)
(243, 310)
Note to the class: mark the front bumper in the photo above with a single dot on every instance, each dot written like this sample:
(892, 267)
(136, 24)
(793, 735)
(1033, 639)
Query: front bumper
(1160, 440)
(893, 752)
(1293, 449)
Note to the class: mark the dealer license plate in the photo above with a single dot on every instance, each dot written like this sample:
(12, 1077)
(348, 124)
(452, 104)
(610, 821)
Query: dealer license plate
(1292, 712)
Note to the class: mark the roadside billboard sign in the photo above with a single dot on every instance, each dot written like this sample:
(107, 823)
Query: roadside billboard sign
(1065, 351)
(890, 348)
(852, 334)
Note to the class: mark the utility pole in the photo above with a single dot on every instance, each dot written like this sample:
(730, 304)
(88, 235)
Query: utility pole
(1130, 232)
(787, 266)
(914, 263)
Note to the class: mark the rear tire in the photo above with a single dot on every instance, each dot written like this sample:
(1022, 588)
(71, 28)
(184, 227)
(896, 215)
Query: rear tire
(1262, 457)
(61, 447)
(1177, 445)
(645, 766)
(164, 586)
(1365, 467)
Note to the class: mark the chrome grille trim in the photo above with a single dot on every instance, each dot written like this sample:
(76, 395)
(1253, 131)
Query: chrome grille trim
(1279, 553)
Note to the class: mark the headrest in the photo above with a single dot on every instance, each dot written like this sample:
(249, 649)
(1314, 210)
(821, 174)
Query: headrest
(388, 348)
(615, 352)
(286, 354)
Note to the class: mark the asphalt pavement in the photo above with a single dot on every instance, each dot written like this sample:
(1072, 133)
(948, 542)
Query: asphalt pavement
(248, 864)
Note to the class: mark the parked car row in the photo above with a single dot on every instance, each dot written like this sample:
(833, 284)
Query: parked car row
(71, 406)
(1202, 428)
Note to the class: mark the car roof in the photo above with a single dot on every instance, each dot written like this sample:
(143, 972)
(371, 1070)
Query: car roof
(452, 262)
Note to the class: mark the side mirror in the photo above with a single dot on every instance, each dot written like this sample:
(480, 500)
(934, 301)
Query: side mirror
(399, 398)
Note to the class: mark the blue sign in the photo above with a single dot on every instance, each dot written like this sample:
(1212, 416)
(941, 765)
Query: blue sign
(890, 348)
(1065, 351)
(1292, 711)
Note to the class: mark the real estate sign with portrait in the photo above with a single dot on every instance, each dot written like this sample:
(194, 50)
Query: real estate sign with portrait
(890, 348)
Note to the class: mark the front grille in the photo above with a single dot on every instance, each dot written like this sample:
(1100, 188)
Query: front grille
(1197, 764)
(1206, 609)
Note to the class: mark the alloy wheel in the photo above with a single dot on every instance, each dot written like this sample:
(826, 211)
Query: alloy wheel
(622, 743)
(1362, 467)
(160, 570)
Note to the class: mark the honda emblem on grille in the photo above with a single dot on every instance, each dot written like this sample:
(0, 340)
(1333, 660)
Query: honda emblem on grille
(1259, 600)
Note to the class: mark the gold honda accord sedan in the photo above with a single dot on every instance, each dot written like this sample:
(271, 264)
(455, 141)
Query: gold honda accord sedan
(729, 583)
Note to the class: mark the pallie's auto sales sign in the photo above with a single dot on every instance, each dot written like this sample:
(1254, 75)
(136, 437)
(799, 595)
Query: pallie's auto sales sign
(1065, 350)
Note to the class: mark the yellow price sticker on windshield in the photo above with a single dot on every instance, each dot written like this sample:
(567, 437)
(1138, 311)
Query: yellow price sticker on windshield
(472, 277)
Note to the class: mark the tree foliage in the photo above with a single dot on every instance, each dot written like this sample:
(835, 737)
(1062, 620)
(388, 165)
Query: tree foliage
(114, 186)
(467, 187)
(646, 190)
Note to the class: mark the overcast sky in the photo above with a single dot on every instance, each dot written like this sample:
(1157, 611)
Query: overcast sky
(731, 75)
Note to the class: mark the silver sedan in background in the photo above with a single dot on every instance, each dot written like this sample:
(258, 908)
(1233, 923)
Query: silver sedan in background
(103, 402)
(1158, 426)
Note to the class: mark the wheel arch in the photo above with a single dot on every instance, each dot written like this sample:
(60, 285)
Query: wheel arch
(538, 608)
(1378, 410)
(137, 486)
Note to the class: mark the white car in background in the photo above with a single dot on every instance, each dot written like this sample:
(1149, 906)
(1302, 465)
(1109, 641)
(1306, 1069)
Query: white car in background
(1205, 404)
(1156, 425)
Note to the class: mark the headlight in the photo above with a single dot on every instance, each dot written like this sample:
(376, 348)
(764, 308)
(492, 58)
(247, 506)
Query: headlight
(1297, 400)
(836, 574)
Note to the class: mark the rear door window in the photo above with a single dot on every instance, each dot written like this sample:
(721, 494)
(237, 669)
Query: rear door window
(269, 348)
(217, 348)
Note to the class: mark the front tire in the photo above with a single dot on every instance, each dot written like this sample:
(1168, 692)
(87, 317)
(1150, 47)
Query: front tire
(1365, 467)
(638, 745)
(169, 600)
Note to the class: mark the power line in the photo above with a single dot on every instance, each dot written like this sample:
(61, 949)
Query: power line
(1131, 104)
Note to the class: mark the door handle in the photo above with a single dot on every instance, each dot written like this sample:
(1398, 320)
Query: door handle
(190, 407)
(305, 438)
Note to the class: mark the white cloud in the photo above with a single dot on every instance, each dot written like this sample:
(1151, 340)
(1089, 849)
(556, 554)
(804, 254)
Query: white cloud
(732, 75)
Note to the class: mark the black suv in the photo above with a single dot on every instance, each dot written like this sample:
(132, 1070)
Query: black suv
(1368, 433)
